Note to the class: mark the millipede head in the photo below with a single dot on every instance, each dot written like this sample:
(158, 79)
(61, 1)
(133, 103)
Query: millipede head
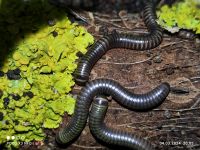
(100, 100)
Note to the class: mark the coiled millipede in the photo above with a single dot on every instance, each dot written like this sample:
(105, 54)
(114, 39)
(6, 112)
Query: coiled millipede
(117, 40)
(109, 87)
(110, 136)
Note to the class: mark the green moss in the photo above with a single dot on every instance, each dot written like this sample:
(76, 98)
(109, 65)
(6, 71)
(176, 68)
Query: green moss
(182, 15)
(46, 63)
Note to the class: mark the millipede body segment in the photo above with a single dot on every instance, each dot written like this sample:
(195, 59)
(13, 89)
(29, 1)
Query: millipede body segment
(109, 87)
(111, 136)
(121, 40)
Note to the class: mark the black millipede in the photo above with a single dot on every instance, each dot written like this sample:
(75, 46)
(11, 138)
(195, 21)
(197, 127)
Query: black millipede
(110, 136)
(108, 87)
(186, 34)
(121, 40)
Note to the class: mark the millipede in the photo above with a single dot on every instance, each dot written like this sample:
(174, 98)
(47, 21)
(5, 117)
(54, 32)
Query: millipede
(185, 34)
(111, 136)
(108, 87)
(121, 40)
(92, 89)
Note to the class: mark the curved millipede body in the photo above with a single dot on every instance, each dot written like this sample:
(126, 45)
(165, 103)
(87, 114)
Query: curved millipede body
(119, 93)
(117, 40)
(111, 136)
(186, 34)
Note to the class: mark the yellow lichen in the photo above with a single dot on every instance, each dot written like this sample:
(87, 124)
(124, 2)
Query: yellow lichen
(181, 15)
(46, 62)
